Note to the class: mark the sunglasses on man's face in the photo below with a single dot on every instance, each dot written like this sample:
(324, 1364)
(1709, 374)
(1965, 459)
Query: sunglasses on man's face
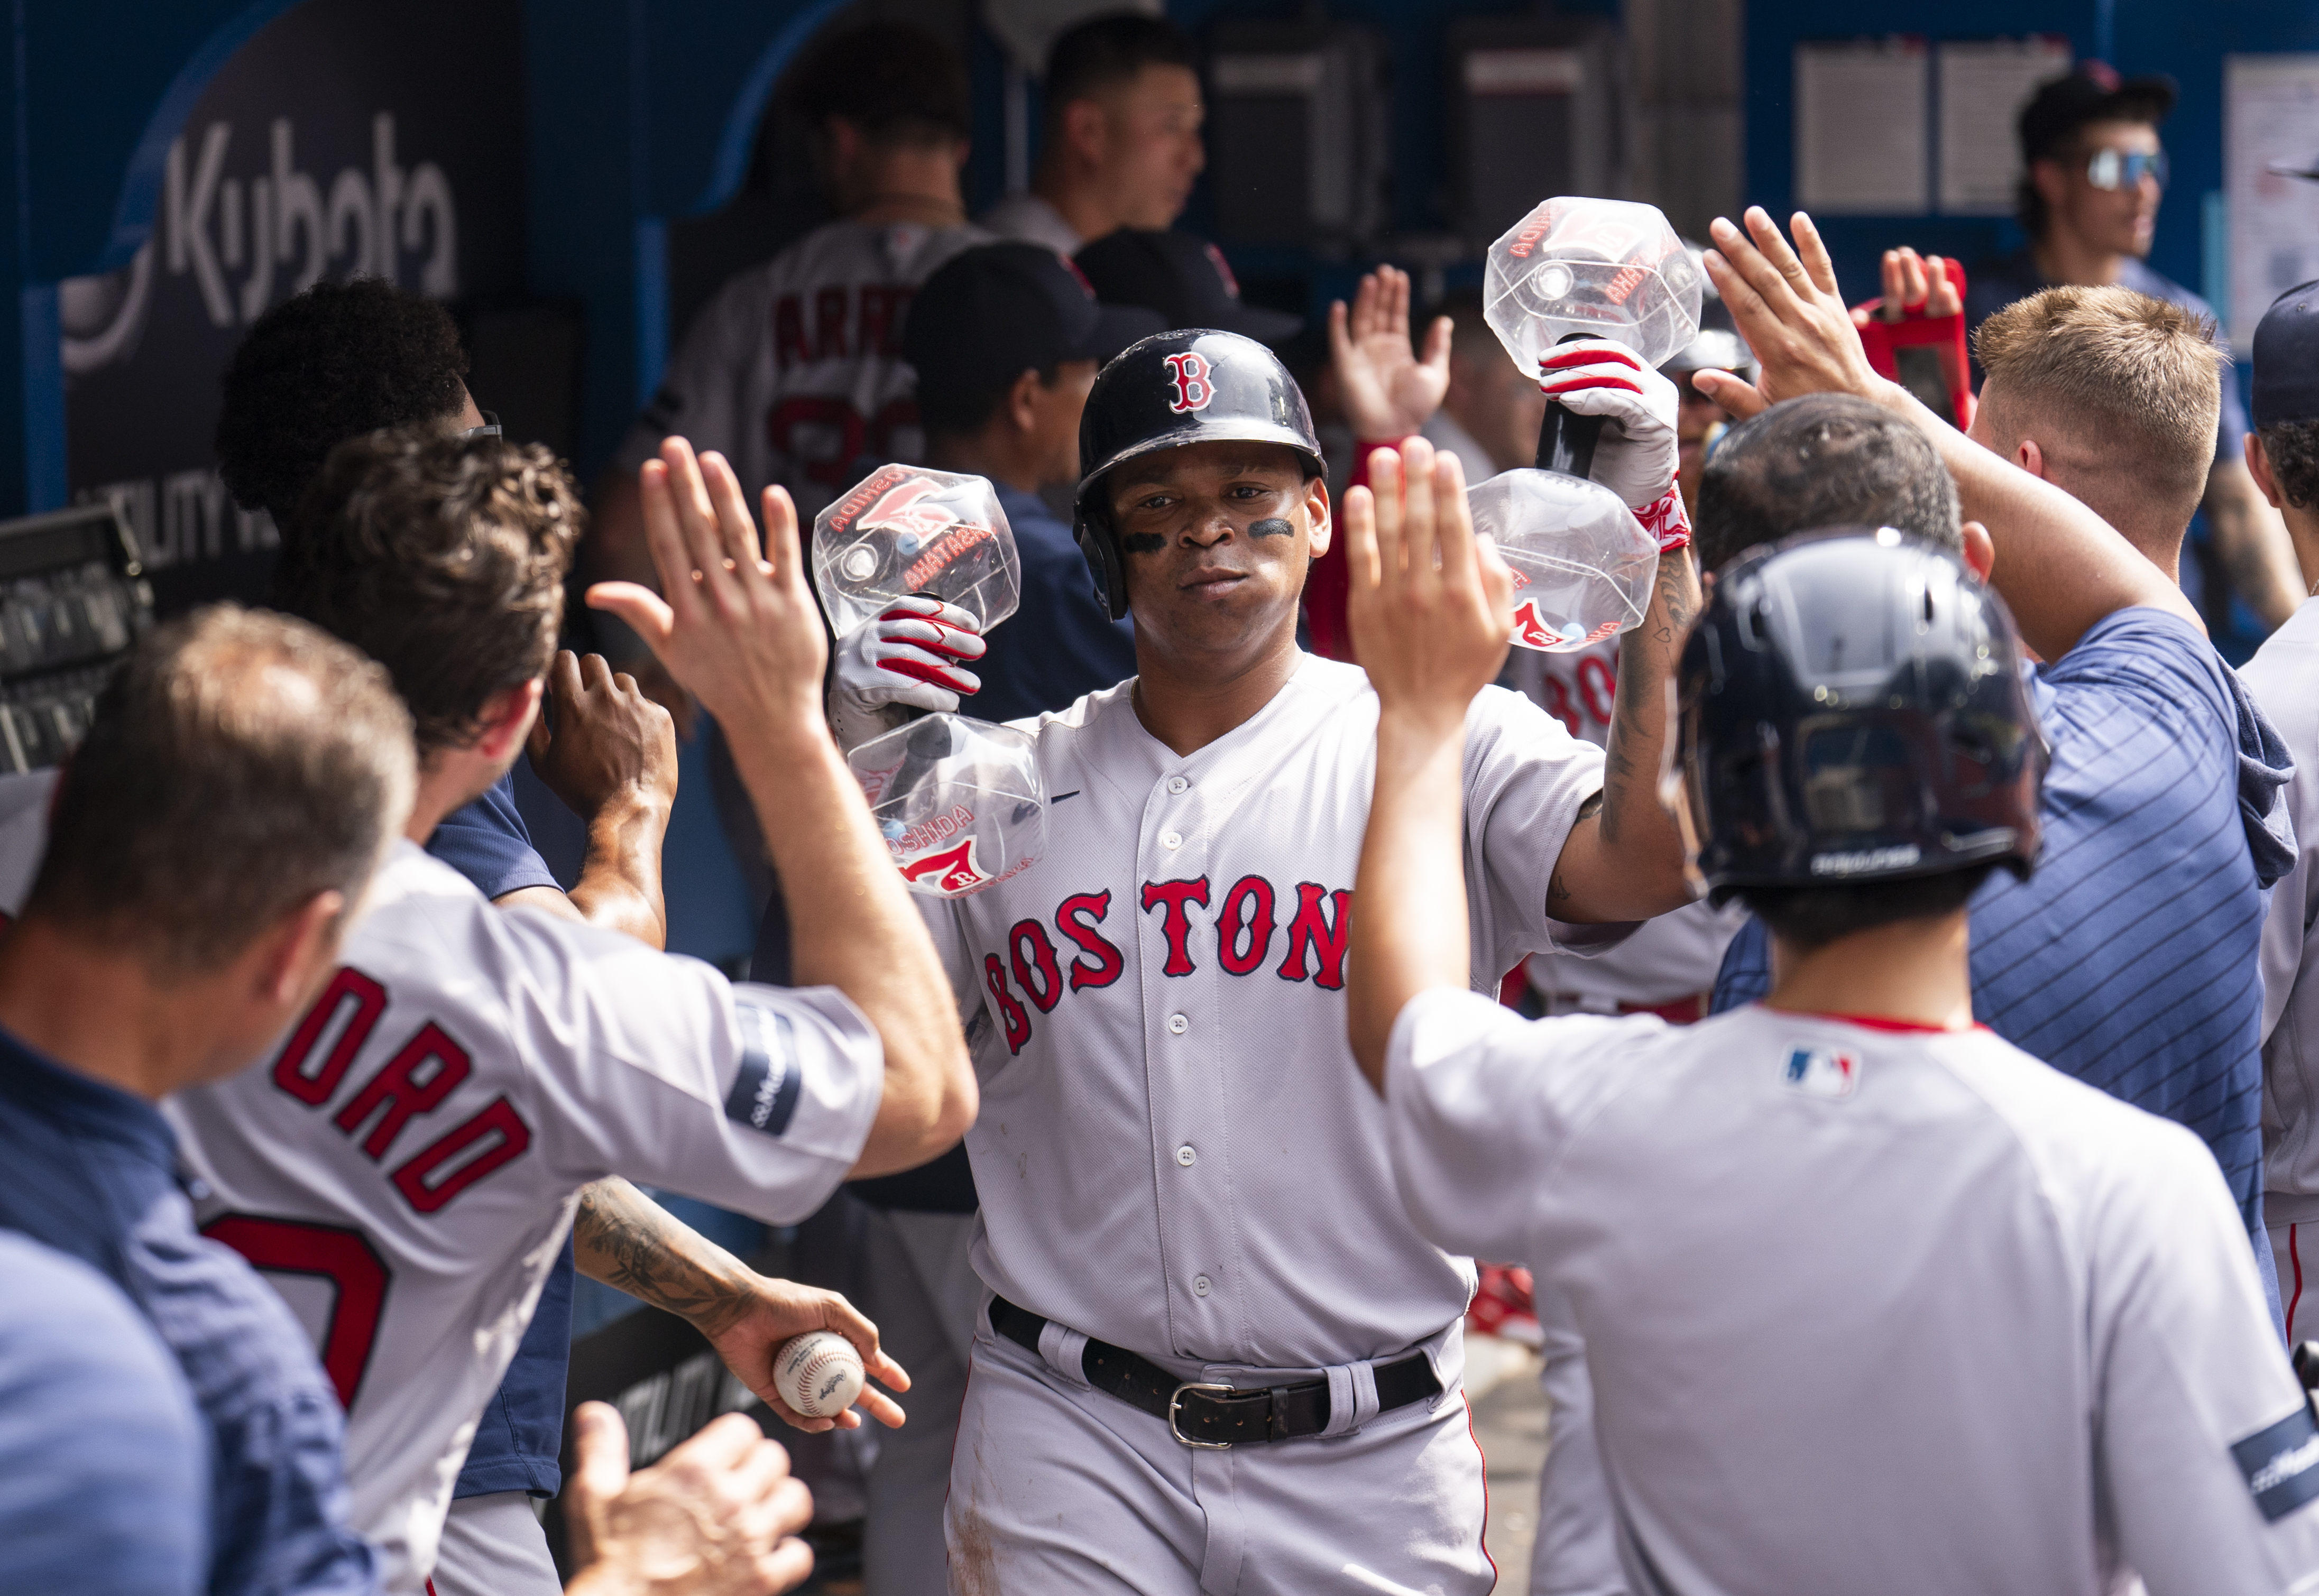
(2113, 170)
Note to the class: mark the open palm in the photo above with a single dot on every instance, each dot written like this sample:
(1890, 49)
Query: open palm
(1388, 392)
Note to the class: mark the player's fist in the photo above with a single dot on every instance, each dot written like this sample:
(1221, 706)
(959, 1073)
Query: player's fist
(719, 1516)
(913, 653)
(1638, 457)
(603, 744)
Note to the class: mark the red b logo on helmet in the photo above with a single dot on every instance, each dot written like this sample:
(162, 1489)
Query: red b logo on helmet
(1193, 389)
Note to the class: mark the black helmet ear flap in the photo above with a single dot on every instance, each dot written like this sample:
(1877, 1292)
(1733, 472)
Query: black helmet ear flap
(1092, 530)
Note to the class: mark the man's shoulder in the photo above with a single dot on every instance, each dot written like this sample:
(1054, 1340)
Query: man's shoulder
(2151, 654)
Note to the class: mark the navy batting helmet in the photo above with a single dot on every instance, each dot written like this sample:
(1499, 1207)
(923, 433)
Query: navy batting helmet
(1852, 709)
(1192, 385)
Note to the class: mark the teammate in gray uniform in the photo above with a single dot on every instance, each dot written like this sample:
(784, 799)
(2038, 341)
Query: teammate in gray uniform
(1873, 1299)
(1216, 1357)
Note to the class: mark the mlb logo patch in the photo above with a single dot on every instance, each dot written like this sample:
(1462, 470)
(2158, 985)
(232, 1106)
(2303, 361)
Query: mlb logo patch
(1821, 1072)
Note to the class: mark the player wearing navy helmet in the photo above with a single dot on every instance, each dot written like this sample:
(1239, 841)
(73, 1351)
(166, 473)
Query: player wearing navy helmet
(1870, 1298)
(1259, 1390)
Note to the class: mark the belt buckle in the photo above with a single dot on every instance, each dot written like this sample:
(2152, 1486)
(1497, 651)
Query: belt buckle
(1176, 1400)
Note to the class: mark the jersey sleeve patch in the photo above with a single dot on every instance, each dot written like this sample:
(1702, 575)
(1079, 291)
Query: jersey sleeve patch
(2281, 1464)
(765, 1091)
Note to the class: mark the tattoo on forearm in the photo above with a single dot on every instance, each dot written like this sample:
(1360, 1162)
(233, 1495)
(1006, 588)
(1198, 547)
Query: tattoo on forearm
(629, 1242)
(1640, 692)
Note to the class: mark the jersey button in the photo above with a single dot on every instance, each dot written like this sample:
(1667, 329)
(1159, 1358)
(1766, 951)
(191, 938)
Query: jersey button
(1178, 1023)
(1200, 1286)
(1186, 1155)
(1168, 839)
(1176, 784)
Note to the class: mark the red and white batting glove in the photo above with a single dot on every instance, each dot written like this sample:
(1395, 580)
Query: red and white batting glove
(1638, 457)
(908, 655)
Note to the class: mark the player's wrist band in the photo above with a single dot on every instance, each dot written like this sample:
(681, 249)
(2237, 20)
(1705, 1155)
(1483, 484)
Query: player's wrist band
(1665, 519)
(1200, 1414)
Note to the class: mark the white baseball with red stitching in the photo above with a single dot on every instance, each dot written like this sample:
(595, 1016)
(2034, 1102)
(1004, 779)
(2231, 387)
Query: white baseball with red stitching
(819, 1374)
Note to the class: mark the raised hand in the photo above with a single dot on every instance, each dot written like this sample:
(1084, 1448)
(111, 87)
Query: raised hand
(1786, 304)
(739, 628)
(1430, 605)
(1915, 283)
(1388, 393)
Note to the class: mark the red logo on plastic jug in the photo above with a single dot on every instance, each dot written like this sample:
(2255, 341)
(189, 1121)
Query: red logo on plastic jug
(1193, 389)
(950, 872)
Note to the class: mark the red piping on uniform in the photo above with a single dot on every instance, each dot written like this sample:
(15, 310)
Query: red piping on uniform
(2295, 1257)
(1875, 1022)
(1485, 1456)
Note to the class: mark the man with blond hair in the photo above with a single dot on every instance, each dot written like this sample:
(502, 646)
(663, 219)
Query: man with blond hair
(2111, 396)
(2128, 960)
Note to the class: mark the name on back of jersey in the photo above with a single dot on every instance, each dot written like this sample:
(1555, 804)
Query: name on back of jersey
(1239, 937)
(415, 1081)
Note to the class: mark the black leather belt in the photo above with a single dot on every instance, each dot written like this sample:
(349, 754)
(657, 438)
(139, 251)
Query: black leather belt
(1203, 1414)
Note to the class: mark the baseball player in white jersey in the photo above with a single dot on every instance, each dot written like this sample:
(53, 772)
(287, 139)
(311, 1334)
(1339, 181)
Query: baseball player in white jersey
(1873, 1300)
(407, 1165)
(794, 370)
(1216, 1357)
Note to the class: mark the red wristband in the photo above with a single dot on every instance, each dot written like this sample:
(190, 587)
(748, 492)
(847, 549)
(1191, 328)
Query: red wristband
(1665, 519)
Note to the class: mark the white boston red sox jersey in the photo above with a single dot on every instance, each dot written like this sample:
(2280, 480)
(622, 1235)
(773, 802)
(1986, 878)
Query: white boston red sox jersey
(794, 370)
(1673, 957)
(404, 1165)
(1175, 1153)
(2280, 677)
(1869, 1307)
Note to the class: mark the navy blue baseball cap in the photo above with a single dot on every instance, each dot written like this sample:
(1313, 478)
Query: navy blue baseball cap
(2287, 358)
(996, 312)
(1185, 279)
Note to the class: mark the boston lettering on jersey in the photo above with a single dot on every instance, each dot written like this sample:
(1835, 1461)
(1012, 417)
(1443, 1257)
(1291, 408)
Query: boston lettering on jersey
(1248, 918)
(411, 1084)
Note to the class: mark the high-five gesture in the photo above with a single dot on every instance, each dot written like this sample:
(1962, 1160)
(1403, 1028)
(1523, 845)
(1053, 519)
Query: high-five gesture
(1430, 603)
(739, 627)
(1786, 303)
(741, 630)
(1388, 392)
(1430, 607)
(2059, 565)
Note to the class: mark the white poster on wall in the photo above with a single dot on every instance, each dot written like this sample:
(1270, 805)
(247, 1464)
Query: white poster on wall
(2270, 131)
(1861, 109)
(1984, 85)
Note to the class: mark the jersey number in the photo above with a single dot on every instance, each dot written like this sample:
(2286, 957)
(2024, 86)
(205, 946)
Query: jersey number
(824, 437)
(1588, 700)
(346, 1258)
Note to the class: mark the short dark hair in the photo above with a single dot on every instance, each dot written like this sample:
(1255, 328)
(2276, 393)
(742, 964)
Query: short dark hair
(1811, 918)
(1825, 460)
(961, 411)
(333, 363)
(2292, 448)
(238, 763)
(1107, 50)
(895, 82)
(443, 558)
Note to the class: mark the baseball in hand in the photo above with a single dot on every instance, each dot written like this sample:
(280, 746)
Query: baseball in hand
(819, 1374)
